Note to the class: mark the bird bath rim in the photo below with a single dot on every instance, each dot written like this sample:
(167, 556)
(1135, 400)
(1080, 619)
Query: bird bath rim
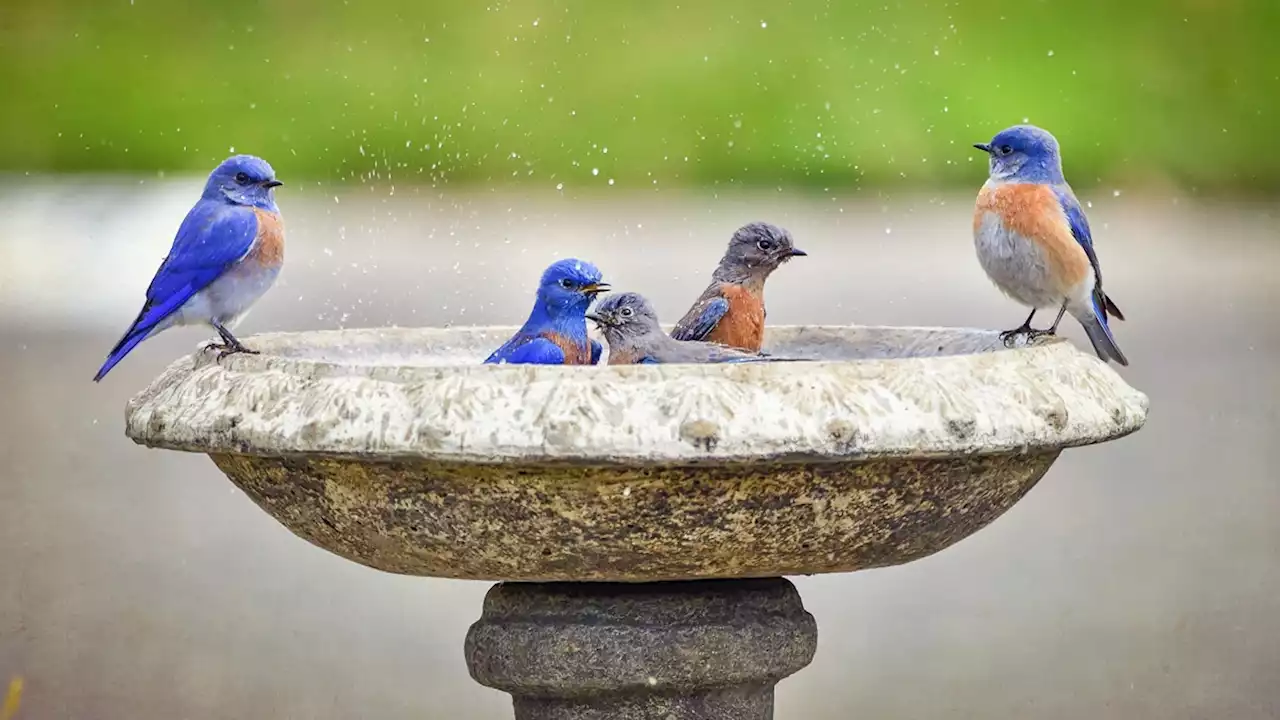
(878, 392)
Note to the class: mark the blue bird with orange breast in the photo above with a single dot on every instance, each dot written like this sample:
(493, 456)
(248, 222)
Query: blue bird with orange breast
(731, 310)
(1034, 242)
(556, 331)
(227, 253)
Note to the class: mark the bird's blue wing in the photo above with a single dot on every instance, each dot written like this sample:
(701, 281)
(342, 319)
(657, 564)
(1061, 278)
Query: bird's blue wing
(538, 351)
(596, 350)
(1106, 307)
(648, 360)
(1079, 225)
(701, 319)
(211, 239)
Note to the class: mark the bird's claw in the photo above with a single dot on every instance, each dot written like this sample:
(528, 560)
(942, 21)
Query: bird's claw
(235, 350)
(1010, 337)
(226, 350)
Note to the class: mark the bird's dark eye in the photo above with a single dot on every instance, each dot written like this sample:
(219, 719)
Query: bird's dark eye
(1005, 149)
(566, 283)
(765, 245)
(242, 178)
(626, 312)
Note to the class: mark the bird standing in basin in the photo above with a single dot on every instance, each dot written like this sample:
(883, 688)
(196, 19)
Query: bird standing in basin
(1034, 242)
(631, 328)
(731, 310)
(228, 251)
(556, 331)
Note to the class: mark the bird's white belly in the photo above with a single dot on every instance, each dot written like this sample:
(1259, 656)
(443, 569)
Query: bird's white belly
(228, 299)
(1015, 264)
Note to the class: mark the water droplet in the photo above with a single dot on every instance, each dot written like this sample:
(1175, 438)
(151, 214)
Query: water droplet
(595, 171)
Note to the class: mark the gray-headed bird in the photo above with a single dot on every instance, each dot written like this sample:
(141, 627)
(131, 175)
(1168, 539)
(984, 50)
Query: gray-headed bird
(630, 327)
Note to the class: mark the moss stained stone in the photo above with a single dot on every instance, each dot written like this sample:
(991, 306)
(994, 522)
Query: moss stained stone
(543, 523)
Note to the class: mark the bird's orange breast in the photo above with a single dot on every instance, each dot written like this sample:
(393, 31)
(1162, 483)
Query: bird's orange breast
(743, 323)
(268, 247)
(1035, 213)
(575, 353)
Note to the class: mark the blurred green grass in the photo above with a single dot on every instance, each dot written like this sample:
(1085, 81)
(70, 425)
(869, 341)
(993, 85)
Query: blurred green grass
(644, 94)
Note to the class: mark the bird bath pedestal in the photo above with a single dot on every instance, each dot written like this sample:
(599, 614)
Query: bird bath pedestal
(638, 519)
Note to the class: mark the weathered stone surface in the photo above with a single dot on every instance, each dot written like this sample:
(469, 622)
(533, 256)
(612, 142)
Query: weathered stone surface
(395, 449)
(919, 392)
(678, 651)
(594, 522)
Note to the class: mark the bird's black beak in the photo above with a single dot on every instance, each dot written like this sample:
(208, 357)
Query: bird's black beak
(595, 288)
(597, 319)
(797, 252)
(983, 147)
(268, 184)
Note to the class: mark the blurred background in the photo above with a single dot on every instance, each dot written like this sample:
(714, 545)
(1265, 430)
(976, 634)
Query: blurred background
(438, 155)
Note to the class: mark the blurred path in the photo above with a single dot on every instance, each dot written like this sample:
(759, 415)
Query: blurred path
(1139, 580)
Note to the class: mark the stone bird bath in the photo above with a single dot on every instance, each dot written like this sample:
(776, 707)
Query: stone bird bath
(638, 519)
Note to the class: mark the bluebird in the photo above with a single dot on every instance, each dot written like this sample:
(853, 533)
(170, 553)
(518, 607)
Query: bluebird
(556, 331)
(631, 328)
(731, 310)
(226, 254)
(1033, 239)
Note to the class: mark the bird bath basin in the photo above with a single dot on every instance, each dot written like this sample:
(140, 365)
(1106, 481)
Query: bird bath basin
(588, 490)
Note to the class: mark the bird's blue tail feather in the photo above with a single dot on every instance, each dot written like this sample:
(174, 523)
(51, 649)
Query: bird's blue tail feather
(122, 348)
(151, 317)
(1104, 343)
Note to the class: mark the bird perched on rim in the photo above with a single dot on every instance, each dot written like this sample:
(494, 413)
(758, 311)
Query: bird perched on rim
(556, 331)
(227, 253)
(631, 328)
(731, 310)
(1034, 242)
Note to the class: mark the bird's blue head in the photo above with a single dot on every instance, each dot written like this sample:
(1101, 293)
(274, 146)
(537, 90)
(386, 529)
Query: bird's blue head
(243, 180)
(570, 285)
(1024, 153)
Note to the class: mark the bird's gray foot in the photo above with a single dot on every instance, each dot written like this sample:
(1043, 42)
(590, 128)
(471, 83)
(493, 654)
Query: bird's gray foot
(230, 345)
(231, 348)
(1010, 337)
(235, 349)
